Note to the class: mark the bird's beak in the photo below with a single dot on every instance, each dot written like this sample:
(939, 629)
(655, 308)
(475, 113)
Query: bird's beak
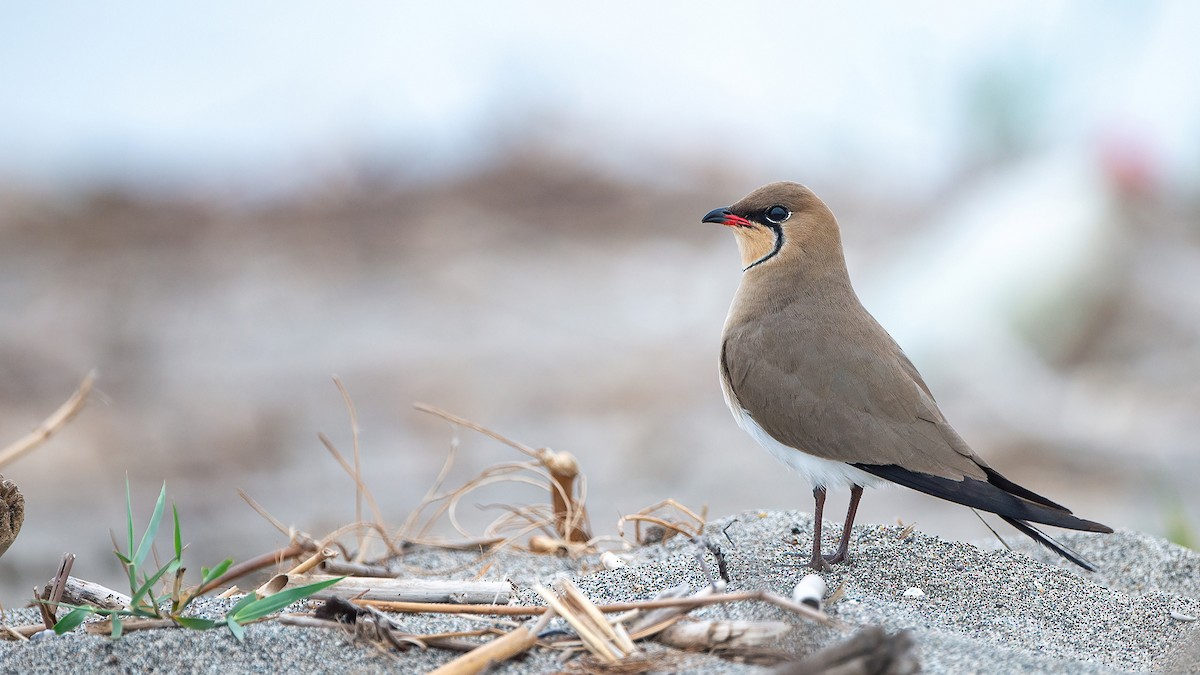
(725, 217)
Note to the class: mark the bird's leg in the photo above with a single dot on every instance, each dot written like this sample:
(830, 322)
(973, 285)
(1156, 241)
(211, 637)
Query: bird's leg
(844, 548)
(818, 561)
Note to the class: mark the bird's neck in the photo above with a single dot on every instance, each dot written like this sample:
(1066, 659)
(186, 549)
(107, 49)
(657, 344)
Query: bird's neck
(817, 284)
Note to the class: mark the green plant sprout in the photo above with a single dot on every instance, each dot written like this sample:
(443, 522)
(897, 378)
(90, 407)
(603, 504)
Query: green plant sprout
(145, 603)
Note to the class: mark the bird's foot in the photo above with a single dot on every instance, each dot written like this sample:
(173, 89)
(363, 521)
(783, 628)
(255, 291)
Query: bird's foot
(836, 558)
(823, 563)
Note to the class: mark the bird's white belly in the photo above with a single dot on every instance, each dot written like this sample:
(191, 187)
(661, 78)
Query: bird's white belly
(818, 471)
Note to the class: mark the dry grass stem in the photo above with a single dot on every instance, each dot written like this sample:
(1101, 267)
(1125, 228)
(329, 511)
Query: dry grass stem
(654, 621)
(360, 488)
(566, 485)
(51, 424)
(20, 633)
(272, 586)
(293, 550)
(579, 603)
(262, 511)
(989, 527)
(597, 637)
(838, 594)
(128, 625)
(693, 601)
(313, 560)
(669, 515)
(517, 641)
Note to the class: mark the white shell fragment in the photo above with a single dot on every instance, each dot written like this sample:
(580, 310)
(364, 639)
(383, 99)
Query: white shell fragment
(1180, 616)
(914, 592)
(612, 561)
(810, 591)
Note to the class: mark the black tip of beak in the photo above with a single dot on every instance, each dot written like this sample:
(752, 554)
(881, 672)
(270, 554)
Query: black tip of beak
(720, 216)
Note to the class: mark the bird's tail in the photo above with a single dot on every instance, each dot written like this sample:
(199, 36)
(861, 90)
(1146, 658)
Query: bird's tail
(1050, 543)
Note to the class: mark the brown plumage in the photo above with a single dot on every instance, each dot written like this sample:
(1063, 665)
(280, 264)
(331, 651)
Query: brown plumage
(819, 383)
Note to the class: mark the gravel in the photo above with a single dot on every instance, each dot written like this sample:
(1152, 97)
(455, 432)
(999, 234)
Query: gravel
(978, 609)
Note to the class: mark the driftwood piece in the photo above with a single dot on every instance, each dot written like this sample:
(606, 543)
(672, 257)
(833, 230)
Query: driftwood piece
(80, 592)
(413, 590)
(516, 641)
(705, 635)
(871, 651)
(340, 568)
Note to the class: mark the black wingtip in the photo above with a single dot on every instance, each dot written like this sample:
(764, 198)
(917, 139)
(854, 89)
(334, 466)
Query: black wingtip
(1047, 541)
(997, 495)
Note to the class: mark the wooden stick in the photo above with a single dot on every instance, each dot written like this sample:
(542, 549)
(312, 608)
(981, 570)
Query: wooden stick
(414, 590)
(51, 424)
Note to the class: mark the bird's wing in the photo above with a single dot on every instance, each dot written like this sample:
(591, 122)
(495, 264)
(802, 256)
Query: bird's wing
(821, 391)
(842, 391)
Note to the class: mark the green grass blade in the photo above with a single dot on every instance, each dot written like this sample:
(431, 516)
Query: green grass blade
(129, 529)
(216, 572)
(195, 623)
(147, 542)
(236, 628)
(146, 587)
(246, 600)
(117, 626)
(257, 609)
(178, 532)
(72, 620)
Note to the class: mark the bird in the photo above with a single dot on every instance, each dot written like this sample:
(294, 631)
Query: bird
(811, 376)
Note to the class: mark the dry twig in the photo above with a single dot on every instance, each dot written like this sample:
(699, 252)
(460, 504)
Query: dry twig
(51, 424)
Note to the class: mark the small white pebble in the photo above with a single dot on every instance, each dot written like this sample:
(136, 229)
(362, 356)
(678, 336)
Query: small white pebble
(1180, 616)
(44, 634)
(914, 592)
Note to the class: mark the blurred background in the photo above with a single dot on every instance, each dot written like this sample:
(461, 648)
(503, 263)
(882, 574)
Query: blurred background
(496, 210)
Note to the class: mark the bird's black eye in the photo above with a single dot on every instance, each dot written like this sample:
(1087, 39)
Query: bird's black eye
(777, 214)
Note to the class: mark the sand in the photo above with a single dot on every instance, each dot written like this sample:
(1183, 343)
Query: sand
(979, 610)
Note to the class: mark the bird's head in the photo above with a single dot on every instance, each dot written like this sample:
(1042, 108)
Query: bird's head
(782, 221)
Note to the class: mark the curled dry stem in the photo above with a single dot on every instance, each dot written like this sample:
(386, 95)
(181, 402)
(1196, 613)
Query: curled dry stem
(567, 504)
